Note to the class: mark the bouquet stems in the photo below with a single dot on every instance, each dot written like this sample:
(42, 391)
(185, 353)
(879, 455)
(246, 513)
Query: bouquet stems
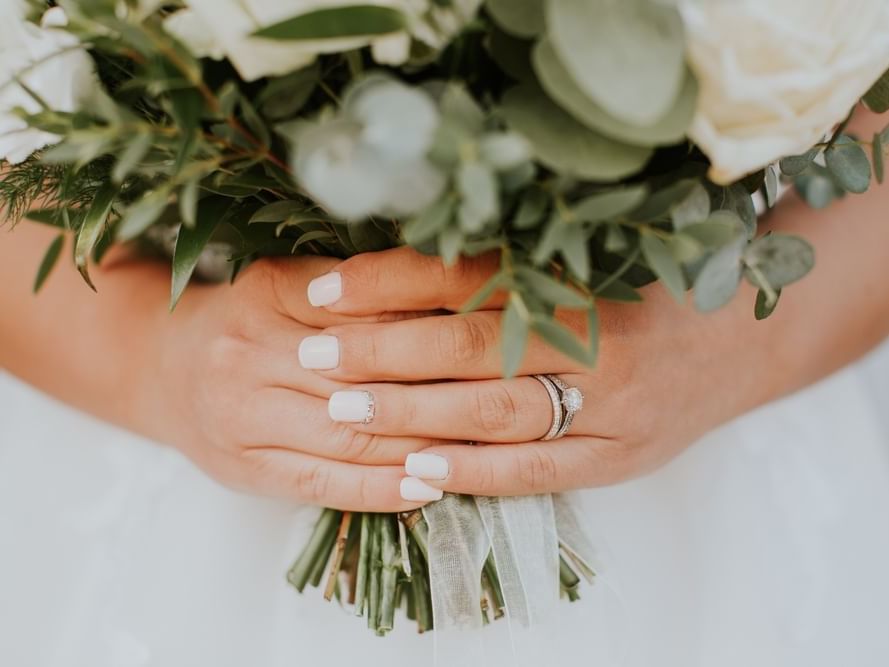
(388, 567)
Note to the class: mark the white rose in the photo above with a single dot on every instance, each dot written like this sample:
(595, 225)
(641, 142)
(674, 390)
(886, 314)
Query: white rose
(42, 58)
(776, 77)
(223, 28)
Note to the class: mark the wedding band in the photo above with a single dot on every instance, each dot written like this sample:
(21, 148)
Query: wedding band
(556, 401)
(571, 400)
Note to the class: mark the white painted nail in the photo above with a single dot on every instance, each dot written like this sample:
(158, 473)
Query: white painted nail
(353, 407)
(417, 491)
(427, 466)
(326, 290)
(319, 353)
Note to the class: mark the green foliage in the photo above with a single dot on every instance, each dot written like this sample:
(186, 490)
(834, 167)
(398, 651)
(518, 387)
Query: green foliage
(560, 141)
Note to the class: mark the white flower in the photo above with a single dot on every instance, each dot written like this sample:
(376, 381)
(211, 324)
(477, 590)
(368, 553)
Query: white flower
(43, 59)
(371, 159)
(777, 76)
(223, 28)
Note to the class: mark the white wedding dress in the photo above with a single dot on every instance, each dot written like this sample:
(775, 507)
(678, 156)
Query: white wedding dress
(766, 544)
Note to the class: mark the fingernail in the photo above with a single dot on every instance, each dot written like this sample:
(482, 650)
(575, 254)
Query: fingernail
(353, 407)
(427, 466)
(418, 491)
(319, 353)
(326, 290)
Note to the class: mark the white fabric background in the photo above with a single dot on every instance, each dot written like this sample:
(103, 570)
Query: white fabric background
(766, 544)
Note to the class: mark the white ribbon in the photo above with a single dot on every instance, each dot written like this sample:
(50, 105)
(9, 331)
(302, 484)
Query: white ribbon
(524, 534)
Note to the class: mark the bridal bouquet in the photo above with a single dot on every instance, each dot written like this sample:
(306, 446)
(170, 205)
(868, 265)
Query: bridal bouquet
(598, 145)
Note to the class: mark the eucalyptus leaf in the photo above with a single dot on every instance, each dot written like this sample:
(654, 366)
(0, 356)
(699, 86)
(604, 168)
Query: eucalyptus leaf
(627, 55)
(141, 215)
(484, 294)
(574, 249)
(664, 265)
(771, 186)
(796, 164)
(136, 150)
(562, 143)
(560, 85)
(613, 289)
(278, 211)
(515, 331)
(781, 259)
(879, 158)
(551, 290)
(430, 222)
(522, 18)
(877, 98)
(717, 282)
(532, 208)
(848, 163)
(764, 307)
(562, 339)
(609, 204)
(694, 208)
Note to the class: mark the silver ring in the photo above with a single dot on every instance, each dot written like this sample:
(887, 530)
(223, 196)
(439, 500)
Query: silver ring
(556, 400)
(570, 400)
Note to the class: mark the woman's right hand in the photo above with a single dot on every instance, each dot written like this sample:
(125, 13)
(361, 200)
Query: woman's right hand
(230, 393)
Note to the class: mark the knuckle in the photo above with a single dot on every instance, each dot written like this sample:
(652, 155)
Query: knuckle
(359, 349)
(311, 483)
(360, 274)
(462, 340)
(356, 446)
(537, 469)
(495, 410)
(484, 476)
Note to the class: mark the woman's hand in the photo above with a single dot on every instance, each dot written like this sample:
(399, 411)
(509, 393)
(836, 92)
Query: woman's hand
(664, 378)
(234, 398)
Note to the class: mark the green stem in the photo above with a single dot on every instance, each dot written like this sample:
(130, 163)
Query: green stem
(363, 561)
(491, 582)
(302, 569)
(375, 565)
(568, 580)
(420, 585)
(389, 576)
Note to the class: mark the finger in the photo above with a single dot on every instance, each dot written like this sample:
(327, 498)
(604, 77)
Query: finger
(460, 347)
(492, 411)
(279, 418)
(285, 281)
(401, 280)
(525, 469)
(316, 481)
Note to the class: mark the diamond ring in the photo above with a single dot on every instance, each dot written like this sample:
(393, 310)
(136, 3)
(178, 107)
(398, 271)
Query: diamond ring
(555, 398)
(570, 403)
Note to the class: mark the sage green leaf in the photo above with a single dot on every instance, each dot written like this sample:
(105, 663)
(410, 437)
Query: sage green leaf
(718, 280)
(515, 332)
(367, 237)
(188, 202)
(550, 290)
(781, 259)
(771, 186)
(429, 223)
(797, 164)
(550, 241)
(818, 188)
(347, 21)
(879, 158)
(721, 228)
(484, 293)
(848, 163)
(613, 289)
(563, 144)
(480, 203)
(664, 265)
(314, 235)
(877, 98)
(522, 18)
(562, 339)
(190, 243)
(284, 96)
(531, 209)
(627, 55)
(49, 261)
(735, 198)
(693, 209)
(136, 150)
(141, 215)
(610, 204)
(660, 203)
(763, 307)
(561, 86)
(450, 242)
(575, 249)
(92, 228)
(278, 211)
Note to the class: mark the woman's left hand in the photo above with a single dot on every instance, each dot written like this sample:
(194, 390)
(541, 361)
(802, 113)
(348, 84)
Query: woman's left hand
(665, 376)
